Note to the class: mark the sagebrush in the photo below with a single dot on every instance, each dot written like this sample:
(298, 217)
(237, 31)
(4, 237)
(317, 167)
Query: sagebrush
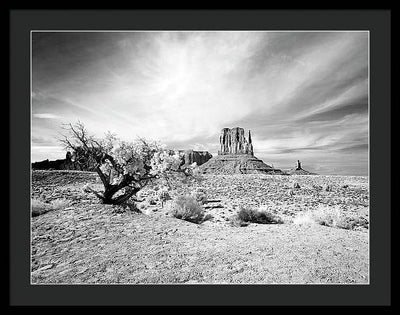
(187, 208)
(332, 216)
(260, 215)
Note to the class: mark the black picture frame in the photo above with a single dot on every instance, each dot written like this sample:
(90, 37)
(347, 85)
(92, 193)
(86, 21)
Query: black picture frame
(377, 22)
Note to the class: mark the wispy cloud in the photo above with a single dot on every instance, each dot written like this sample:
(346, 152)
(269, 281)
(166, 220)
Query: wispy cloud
(46, 116)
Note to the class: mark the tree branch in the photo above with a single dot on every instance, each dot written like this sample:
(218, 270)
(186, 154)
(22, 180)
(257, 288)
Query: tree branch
(96, 193)
(123, 198)
(102, 177)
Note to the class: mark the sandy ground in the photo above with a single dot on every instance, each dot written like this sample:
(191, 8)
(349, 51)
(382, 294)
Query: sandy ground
(86, 242)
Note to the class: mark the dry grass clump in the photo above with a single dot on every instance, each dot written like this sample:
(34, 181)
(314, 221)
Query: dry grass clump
(260, 216)
(330, 216)
(187, 208)
(325, 215)
(40, 207)
(351, 223)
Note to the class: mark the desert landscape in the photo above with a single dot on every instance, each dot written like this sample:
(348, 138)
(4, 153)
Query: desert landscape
(81, 241)
(200, 157)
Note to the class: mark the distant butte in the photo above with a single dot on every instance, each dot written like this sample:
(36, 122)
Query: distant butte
(298, 170)
(236, 156)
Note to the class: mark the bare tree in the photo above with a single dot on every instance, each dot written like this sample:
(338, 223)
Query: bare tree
(124, 168)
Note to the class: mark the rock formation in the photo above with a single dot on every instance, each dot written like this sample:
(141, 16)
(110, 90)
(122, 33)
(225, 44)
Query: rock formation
(233, 141)
(298, 170)
(200, 157)
(61, 164)
(236, 156)
(189, 157)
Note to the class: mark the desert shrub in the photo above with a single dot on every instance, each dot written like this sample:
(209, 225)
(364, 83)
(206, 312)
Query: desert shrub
(330, 216)
(296, 185)
(187, 208)
(351, 223)
(261, 216)
(163, 196)
(237, 222)
(325, 215)
(200, 196)
(304, 218)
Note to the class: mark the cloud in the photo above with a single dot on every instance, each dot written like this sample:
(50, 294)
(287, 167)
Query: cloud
(46, 116)
(299, 92)
(40, 153)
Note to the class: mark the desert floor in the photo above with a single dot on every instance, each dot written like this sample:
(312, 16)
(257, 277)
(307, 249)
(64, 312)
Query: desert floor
(82, 241)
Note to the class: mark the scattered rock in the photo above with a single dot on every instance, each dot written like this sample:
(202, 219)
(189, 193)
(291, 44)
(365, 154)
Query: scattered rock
(44, 267)
(212, 200)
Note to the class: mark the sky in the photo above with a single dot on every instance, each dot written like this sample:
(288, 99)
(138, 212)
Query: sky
(303, 95)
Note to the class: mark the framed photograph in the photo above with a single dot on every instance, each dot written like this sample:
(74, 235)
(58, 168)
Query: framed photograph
(196, 157)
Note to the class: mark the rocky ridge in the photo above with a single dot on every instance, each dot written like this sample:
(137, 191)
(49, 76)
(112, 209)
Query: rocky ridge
(188, 157)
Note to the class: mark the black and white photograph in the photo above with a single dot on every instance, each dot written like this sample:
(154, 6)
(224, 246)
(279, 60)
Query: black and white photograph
(200, 157)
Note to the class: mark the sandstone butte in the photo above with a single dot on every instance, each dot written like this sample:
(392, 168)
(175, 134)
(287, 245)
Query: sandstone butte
(236, 156)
